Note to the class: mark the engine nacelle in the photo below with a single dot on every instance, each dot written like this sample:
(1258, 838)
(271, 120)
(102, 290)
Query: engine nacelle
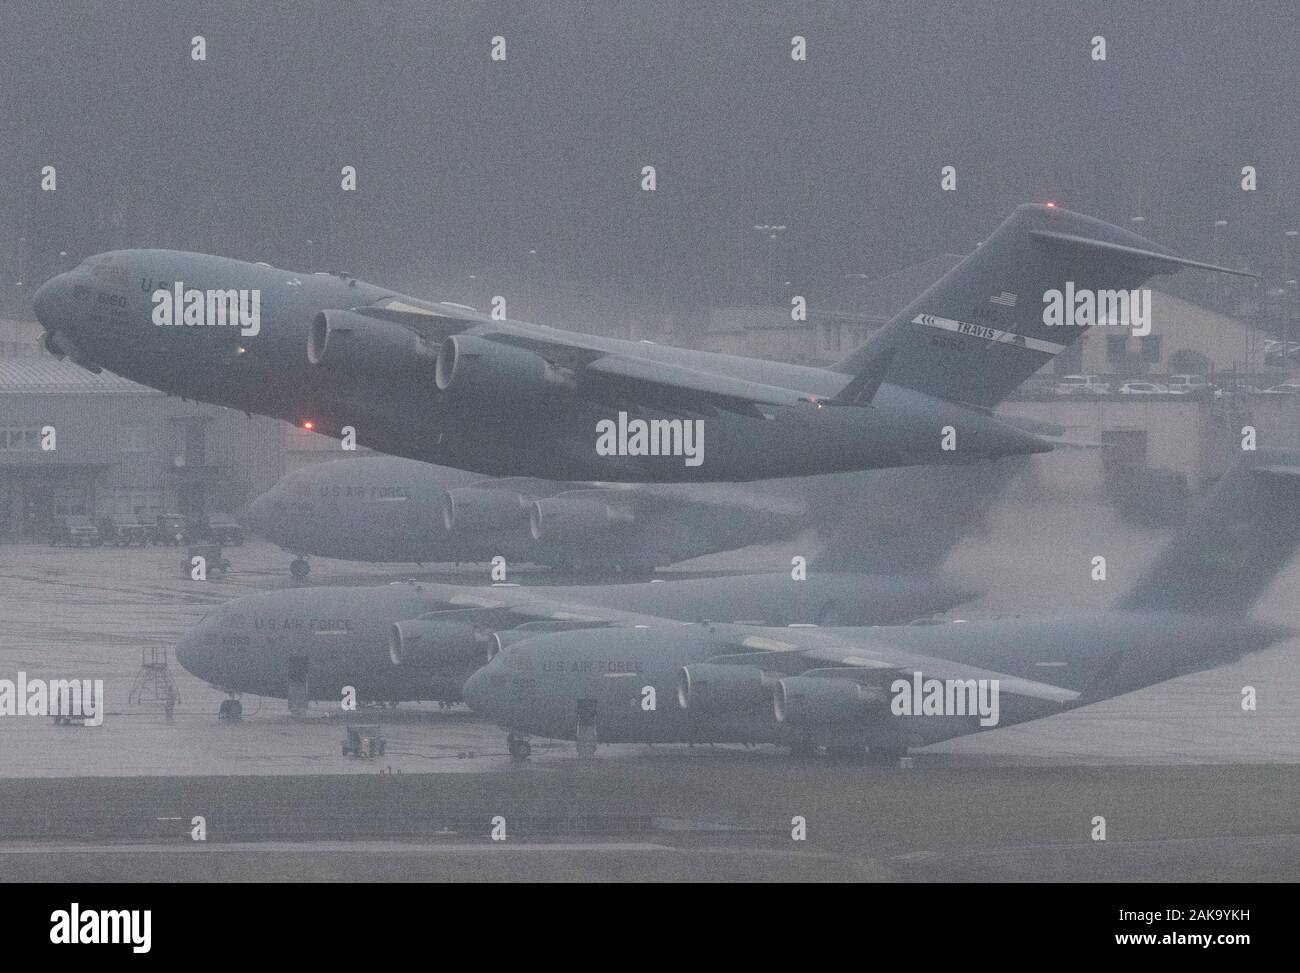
(555, 516)
(482, 508)
(428, 643)
(710, 689)
(499, 641)
(474, 368)
(813, 701)
(345, 341)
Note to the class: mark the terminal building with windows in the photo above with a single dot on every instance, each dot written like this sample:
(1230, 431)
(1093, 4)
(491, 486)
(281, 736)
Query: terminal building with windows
(78, 442)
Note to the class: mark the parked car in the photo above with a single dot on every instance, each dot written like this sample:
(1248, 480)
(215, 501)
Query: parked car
(217, 527)
(122, 530)
(168, 529)
(1280, 354)
(1081, 385)
(1146, 388)
(1189, 384)
(214, 561)
(74, 530)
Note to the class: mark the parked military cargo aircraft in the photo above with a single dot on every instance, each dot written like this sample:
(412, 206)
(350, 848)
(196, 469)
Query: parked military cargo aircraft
(388, 509)
(415, 641)
(889, 688)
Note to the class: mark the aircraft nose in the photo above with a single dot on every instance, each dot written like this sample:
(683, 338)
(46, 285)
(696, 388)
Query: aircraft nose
(189, 650)
(48, 301)
(475, 692)
(186, 650)
(258, 516)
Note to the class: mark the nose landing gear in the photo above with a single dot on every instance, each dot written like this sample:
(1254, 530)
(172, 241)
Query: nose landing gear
(230, 711)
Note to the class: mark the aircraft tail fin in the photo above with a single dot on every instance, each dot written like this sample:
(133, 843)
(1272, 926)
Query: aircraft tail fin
(980, 331)
(904, 521)
(1242, 534)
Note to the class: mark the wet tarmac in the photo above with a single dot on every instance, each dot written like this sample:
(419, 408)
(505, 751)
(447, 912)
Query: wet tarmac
(100, 613)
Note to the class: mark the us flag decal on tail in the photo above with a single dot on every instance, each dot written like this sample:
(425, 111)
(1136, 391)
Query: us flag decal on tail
(1006, 299)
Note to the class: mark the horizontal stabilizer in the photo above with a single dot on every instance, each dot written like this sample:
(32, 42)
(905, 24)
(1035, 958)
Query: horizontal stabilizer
(1164, 260)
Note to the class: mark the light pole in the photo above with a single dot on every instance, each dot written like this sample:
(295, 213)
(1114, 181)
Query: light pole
(772, 232)
(1216, 286)
(1287, 237)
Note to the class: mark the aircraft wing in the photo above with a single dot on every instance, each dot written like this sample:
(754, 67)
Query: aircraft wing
(526, 485)
(799, 652)
(618, 377)
(681, 497)
(512, 607)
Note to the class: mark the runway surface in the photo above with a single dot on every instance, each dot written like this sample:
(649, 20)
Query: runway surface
(91, 613)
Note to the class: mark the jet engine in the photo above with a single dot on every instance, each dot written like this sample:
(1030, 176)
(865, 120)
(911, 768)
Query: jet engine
(711, 689)
(474, 368)
(556, 516)
(344, 341)
(502, 640)
(432, 643)
(813, 700)
(482, 508)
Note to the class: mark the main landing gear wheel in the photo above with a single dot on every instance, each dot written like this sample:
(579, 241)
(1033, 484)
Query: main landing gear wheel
(889, 756)
(231, 710)
(520, 749)
(299, 568)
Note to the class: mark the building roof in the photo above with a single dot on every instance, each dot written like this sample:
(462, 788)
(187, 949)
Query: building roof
(738, 319)
(45, 374)
(878, 301)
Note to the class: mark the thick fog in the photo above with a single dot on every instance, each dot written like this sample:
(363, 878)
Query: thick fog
(478, 177)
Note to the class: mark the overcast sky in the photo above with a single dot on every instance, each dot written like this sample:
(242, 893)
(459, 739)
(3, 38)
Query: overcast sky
(466, 165)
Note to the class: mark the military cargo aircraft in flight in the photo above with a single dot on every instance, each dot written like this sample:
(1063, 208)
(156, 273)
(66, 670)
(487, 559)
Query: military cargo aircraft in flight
(893, 687)
(445, 384)
(383, 508)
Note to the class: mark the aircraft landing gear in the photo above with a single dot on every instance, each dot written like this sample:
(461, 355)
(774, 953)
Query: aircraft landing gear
(519, 747)
(230, 711)
(887, 756)
(846, 753)
(299, 568)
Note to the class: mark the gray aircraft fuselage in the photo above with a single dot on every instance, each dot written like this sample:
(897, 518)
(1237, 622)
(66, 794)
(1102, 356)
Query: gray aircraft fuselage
(101, 315)
(341, 634)
(388, 509)
(537, 686)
